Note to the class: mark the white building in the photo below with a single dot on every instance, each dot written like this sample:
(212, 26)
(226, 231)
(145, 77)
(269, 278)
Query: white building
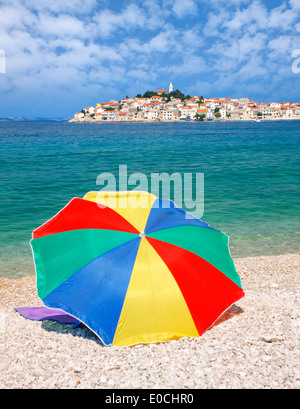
(289, 112)
(170, 114)
(275, 105)
(222, 111)
(78, 115)
(175, 101)
(127, 101)
(203, 111)
(187, 112)
(98, 116)
(123, 116)
(209, 114)
(268, 112)
(89, 110)
(145, 107)
(112, 115)
(210, 104)
(152, 114)
(99, 110)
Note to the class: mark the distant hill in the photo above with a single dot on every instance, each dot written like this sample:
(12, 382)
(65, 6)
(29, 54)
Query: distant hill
(32, 119)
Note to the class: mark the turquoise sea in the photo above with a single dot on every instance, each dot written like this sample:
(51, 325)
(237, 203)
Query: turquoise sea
(251, 173)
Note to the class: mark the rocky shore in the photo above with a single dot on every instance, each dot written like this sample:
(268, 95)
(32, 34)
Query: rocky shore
(146, 121)
(258, 347)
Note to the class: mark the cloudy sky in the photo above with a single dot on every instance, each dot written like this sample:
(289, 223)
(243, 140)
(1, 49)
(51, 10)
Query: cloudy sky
(61, 56)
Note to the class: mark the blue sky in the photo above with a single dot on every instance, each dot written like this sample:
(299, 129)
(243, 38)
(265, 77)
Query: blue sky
(62, 56)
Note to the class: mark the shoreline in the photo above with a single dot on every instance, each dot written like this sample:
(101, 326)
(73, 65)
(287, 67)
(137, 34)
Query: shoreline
(258, 348)
(85, 120)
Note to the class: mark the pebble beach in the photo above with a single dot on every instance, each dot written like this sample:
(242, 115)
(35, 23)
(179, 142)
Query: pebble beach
(256, 348)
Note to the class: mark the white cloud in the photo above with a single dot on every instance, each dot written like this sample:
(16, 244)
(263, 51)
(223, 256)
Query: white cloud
(255, 67)
(282, 47)
(156, 13)
(295, 4)
(15, 17)
(252, 18)
(256, 12)
(61, 26)
(128, 49)
(249, 45)
(253, 41)
(61, 46)
(191, 65)
(168, 40)
(282, 17)
(138, 74)
(161, 43)
(132, 17)
(192, 39)
(214, 23)
(228, 55)
(183, 8)
(58, 6)
(218, 3)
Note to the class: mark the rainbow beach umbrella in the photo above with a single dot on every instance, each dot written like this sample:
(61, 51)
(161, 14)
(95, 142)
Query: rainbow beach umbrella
(134, 268)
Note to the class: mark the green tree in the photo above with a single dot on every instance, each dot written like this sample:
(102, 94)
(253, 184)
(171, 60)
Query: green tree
(177, 94)
(149, 94)
(200, 117)
(217, 115)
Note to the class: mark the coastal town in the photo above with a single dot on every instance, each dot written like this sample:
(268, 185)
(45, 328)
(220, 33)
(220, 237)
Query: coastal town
(175, 106)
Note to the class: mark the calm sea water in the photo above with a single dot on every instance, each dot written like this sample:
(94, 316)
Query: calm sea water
(251, 176)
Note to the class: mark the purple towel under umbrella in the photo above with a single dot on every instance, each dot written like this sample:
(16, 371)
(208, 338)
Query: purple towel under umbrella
(44, 313)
